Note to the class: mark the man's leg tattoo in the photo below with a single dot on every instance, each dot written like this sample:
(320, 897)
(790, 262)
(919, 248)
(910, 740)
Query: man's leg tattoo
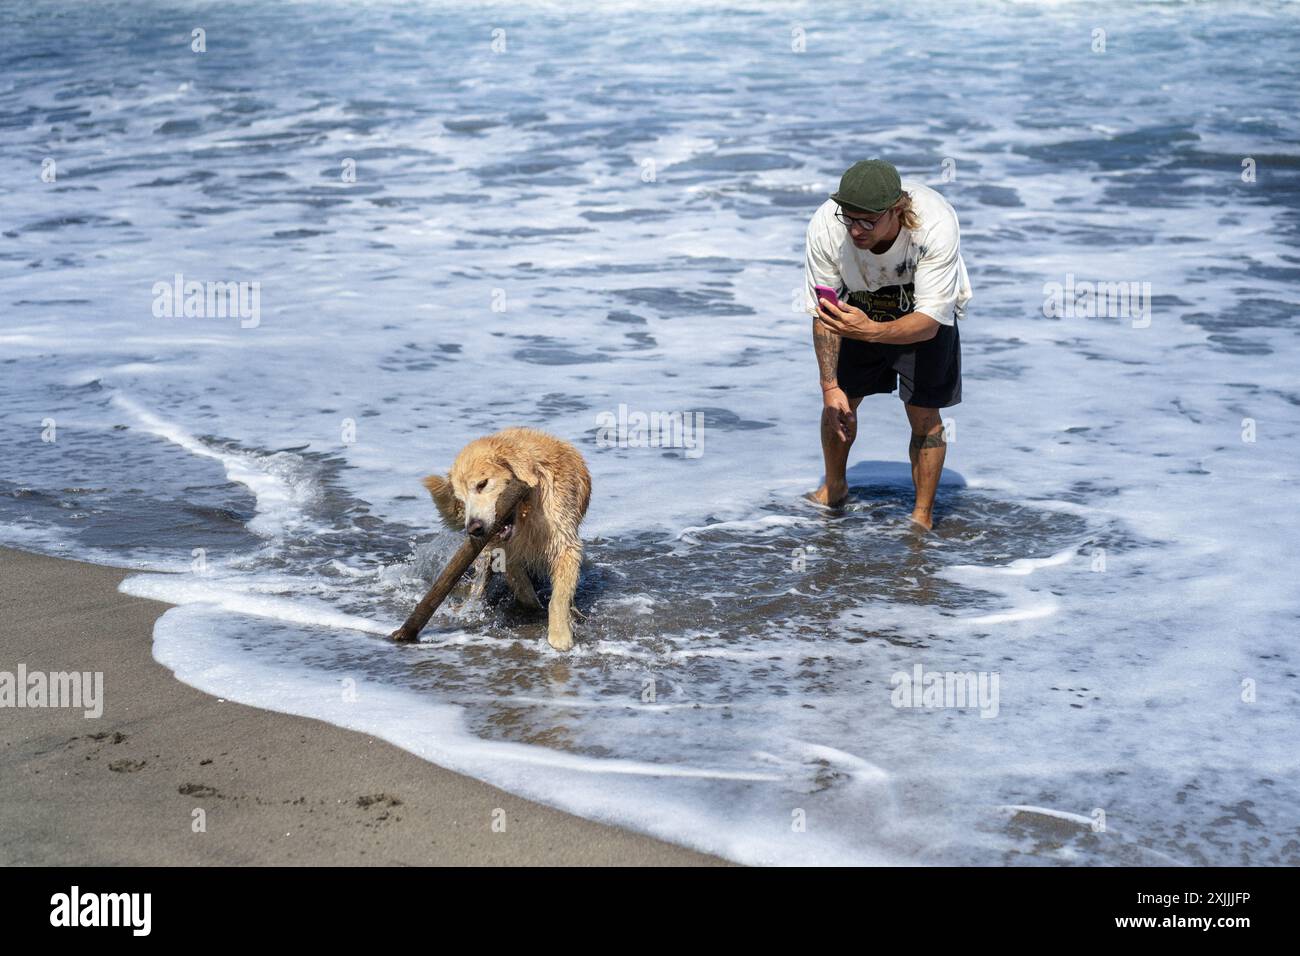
(935, 440)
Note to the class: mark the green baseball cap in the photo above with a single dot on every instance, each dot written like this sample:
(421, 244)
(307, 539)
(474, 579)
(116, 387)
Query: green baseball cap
(869, 186)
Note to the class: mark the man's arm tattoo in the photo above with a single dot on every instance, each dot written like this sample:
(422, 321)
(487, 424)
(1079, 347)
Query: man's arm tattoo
(827, 346)
(928, 441)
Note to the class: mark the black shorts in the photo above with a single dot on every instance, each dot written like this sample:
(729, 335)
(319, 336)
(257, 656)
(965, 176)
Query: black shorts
(930, 371)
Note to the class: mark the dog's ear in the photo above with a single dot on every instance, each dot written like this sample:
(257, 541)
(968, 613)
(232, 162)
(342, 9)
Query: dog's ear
(522, 470)
(452, 511)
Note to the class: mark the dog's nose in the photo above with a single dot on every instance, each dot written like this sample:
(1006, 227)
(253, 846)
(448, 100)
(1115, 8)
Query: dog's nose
(475, 527)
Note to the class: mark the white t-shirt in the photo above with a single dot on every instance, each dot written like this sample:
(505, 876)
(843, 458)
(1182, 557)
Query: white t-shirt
(923, 269)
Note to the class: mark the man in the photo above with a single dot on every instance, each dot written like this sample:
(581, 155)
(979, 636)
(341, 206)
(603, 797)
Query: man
(892, 252)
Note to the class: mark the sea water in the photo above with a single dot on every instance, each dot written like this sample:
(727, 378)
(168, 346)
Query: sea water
(446, 219)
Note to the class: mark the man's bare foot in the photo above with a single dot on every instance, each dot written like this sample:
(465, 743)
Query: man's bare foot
(923, 518)
(829, 496)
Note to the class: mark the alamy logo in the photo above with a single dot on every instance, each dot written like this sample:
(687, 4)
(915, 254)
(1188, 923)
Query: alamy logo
(103, 909)
(191, 299)
(75, 689)
(1098, 300)
(631, 429)
(951, 689)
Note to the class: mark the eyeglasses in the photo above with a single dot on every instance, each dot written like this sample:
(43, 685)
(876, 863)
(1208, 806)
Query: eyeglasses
(867, 225)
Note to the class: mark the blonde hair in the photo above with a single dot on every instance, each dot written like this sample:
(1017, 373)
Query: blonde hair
(906, 215)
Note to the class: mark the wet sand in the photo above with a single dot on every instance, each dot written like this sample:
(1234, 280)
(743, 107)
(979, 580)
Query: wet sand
(274, 789)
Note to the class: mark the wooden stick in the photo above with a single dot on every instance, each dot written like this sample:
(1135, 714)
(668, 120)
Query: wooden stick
(514, 493)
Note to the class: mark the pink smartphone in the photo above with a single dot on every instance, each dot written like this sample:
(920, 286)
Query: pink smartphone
(827, 293)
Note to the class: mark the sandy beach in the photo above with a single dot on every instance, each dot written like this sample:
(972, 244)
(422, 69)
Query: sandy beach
(266, 270)
(123, 788)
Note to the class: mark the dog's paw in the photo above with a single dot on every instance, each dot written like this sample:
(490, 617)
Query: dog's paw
(561, 641)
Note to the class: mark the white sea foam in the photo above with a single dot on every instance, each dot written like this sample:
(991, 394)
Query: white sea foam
(187, 589)
(278, 482)
(1108, 543)
(627, 792)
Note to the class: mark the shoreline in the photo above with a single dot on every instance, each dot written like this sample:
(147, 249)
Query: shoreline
(169, 775)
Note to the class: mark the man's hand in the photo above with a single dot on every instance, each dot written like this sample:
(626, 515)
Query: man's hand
(838, 416)
(848, 321)
(852, 323)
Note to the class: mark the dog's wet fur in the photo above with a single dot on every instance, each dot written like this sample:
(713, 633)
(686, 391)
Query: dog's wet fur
(543, 537)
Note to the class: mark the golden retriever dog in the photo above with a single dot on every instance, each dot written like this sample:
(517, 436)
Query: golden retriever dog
(543, 537)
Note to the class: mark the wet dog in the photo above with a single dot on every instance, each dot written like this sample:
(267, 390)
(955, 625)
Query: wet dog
(543, 537)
